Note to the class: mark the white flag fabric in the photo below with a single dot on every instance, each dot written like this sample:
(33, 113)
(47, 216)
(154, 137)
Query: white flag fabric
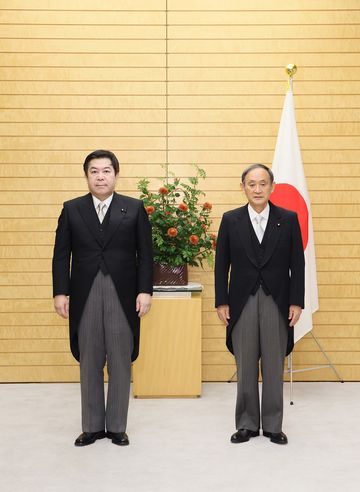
(291, 193)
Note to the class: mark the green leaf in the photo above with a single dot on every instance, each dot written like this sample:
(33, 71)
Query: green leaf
(178, 250)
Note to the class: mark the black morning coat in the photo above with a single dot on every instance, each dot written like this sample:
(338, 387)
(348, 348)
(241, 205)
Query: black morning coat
(126, 250)
(281, 269)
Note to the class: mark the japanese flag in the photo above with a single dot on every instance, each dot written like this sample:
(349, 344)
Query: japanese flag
(291, 193)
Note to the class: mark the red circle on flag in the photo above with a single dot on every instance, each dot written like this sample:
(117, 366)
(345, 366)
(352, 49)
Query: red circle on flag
(287, 196)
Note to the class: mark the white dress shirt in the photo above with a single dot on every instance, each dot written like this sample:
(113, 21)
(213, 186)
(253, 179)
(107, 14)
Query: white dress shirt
(254, 217)
(106, 202)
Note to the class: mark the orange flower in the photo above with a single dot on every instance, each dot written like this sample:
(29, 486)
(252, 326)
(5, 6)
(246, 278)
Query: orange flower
(214, 244)
(194, 239)
(213, 236)
(207, 206)
(204, 226)
(163, 190)
(172, 232)
(150, 209)
(183, 207)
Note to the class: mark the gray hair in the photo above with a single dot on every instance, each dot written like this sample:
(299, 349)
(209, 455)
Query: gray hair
(257, 166)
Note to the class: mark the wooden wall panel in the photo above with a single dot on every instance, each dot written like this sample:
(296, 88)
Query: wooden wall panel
(200, 83)
(73, 77)
(226, 91)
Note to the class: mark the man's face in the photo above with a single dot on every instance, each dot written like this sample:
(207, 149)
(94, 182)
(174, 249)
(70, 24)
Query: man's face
(257, 188)
(101, 178)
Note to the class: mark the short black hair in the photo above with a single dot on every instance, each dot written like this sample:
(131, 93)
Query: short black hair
(257, 166)
(100, 154)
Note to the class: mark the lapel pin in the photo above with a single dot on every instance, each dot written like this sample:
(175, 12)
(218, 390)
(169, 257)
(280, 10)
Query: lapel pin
(278, 224)
(123, 210)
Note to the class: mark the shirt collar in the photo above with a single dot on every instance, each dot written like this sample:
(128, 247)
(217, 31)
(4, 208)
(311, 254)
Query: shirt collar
(106, 202)
(264, 214)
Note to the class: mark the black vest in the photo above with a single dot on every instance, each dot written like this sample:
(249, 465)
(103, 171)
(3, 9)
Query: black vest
(259, 250)
(102, 229)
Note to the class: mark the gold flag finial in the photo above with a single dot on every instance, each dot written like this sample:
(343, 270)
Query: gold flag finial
(291, 70)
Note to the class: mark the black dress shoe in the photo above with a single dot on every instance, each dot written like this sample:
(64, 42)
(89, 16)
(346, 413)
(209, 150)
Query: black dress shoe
(119, 438)
(243, 435)
(87, 438)
(276, 437)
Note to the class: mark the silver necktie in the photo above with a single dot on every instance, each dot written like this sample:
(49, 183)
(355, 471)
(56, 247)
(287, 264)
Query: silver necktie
(259, 228)
(101, 211)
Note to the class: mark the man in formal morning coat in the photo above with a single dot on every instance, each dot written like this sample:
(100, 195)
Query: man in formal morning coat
(107, 239)
(260, 244)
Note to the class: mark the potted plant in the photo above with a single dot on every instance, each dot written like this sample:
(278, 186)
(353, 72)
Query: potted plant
(180, 224)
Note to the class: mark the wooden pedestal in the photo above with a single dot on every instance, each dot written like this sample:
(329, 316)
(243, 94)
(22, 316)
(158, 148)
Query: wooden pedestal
(169, 364)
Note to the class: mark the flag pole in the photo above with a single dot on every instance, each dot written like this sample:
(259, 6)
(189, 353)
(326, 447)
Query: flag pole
(291, 70)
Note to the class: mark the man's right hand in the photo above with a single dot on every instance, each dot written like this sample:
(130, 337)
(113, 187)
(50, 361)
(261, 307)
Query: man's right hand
(223, 312)
(61, 304)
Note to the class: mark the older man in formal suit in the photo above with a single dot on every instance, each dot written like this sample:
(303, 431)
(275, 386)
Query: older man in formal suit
(261, 302)
(106, 237)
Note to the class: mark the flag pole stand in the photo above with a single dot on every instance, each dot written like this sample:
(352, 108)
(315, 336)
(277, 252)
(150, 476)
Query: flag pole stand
(291, 371)
(232, 377)
(330, 365)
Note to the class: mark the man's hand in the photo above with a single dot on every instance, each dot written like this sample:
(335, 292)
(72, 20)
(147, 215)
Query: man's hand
(61, 304)
(294, 314)
(223, 312)
(143, 304)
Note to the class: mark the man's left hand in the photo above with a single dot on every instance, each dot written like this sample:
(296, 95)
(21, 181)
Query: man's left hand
(294, 314)
(143, 304)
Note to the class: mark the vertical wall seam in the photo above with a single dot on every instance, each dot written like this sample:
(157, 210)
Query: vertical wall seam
(166, 94)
